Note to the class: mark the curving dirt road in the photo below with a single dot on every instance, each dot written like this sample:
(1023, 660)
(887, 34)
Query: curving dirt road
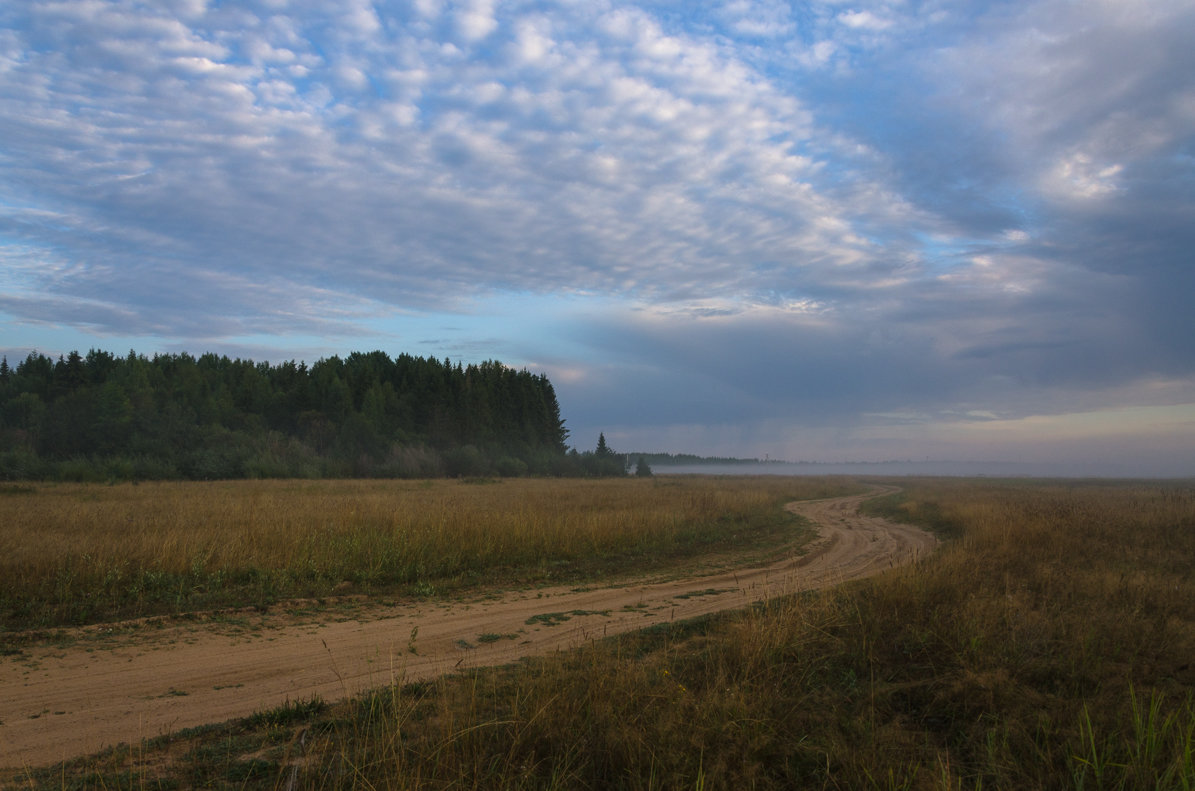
(92, 691)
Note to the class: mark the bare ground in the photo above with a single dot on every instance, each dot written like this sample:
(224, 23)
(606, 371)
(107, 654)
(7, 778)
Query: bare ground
(98, 688)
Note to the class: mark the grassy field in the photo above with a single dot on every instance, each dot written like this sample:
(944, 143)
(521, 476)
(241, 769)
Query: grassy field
(74, 554)
(1049, 644)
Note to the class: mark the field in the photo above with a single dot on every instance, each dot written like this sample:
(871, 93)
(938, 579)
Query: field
(1047, 643)
(73, 554)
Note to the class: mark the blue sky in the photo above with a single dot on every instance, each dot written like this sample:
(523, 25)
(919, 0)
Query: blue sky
(821, 231)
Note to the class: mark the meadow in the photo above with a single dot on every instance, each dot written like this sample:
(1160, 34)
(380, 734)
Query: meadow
(1049, 643)
(75, 554)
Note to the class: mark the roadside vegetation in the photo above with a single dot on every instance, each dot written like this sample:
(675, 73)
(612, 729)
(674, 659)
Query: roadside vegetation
(1047, 644)
(74, 554)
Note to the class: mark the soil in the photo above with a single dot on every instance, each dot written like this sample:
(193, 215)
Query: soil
(96, 688)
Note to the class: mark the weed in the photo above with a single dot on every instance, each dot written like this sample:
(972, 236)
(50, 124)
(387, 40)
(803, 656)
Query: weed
(554, 618)
(288, 713)
(493, 637)
(706, 592)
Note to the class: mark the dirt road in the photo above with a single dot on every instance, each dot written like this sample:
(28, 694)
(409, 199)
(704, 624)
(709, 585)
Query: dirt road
(86, 693)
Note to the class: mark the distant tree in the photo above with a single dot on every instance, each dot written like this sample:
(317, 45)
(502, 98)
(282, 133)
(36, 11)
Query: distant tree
(213, 417)
(24, 412)
(603, 462)
(69, 375)
(641, 468)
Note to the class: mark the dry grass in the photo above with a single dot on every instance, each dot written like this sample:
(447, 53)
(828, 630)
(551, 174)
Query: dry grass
(1049, 645)
(81, 553)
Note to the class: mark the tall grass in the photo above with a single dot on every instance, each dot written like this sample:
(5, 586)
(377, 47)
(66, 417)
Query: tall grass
(1049, 645)
(74, 553)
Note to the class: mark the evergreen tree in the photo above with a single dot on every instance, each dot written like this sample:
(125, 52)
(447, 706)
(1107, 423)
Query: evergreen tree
(603, 462)
(213, 417)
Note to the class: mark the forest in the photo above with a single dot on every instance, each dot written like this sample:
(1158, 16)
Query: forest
(176, 416)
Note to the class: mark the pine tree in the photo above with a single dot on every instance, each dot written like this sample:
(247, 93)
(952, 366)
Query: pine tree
(213, 416)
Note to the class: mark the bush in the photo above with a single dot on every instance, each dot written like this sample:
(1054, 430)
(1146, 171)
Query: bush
(510, 467)
(78, 469)
(411, 461)
(465, 462)
(20, 464)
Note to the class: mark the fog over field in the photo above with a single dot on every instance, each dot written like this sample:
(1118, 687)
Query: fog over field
(811, 231)
(930, 468)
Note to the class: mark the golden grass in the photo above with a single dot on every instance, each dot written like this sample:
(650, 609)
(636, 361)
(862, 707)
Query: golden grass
(79, 553)
(1049, 645)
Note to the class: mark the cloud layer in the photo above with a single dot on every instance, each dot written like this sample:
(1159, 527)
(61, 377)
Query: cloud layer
(716, 219)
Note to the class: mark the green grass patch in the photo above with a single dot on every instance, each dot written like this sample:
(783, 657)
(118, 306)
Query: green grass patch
(554, 618)
(706, 592)
(286, 714)
(493, 637)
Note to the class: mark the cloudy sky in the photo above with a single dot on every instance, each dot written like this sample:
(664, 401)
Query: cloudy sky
(814, 230)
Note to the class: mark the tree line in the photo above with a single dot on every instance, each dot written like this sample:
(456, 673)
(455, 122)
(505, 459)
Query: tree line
(102, 416)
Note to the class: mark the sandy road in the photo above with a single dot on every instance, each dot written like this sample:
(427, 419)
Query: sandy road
(61, 702)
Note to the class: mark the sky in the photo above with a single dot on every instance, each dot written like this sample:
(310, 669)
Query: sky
(819, 231)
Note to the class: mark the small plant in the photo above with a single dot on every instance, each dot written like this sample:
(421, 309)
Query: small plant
(493, 637)
(706, 592)
(288, 713)
(554, 618)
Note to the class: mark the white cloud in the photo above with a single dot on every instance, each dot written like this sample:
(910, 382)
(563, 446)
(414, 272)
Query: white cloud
(533, 41)
(760, 19)
(1077, 177)
(428, 9)
(261, 51)
(863, 20)
(819, 54)
(360, 17)
(475, 20)
(351, 77)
